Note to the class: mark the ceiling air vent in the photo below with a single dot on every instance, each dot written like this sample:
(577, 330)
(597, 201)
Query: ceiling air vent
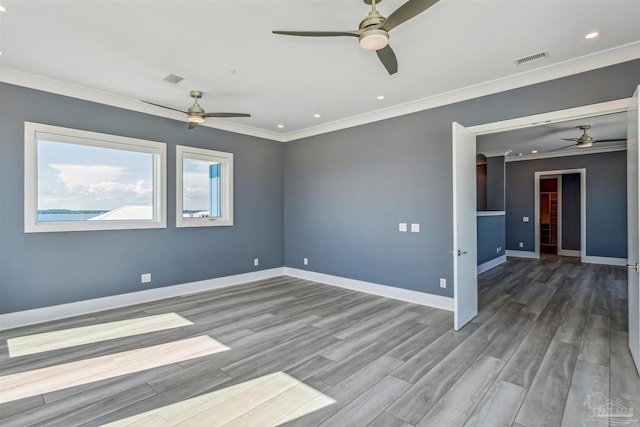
(532, 58)
(172, 78)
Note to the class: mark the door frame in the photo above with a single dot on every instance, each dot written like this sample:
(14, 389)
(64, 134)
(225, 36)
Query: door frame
(583, 208)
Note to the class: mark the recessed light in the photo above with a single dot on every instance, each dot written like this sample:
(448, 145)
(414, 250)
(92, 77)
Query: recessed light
(316, 115)
(534, 151)
(380, 97)
(280, 126)
(2, 8)
(592, 35)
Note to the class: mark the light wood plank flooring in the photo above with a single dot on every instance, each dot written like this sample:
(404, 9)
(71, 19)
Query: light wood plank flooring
(548, 347)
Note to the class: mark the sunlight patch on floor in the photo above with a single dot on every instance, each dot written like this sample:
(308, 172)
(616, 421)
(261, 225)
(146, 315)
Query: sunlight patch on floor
(45, 380)
(38, 343)
(266, 401)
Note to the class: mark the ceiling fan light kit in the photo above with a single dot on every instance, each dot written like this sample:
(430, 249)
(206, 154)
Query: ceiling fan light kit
(374, 39)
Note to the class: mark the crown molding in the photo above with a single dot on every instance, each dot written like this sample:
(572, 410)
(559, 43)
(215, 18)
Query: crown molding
(572, 152)
(32, 81)
(499, 153)
(593, 61)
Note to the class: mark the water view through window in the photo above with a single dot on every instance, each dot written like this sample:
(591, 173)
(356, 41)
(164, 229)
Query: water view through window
(77, 182)
(200, 189)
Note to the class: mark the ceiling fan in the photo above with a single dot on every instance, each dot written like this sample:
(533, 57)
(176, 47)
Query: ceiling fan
(584, 140)
(373, 31)
(196, 114)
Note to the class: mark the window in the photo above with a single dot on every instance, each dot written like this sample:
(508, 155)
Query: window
(77, 180)
(204, 187)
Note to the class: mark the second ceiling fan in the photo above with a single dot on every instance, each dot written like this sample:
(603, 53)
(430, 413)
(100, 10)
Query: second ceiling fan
(585, 140)
(373, 31)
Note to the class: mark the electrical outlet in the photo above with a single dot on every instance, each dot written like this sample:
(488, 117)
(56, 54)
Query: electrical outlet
(145, 278)
(305, 261)
(520, 244)
(498, 250)
(443, 282)
(256, 261)
(402, 227)
(415, 228)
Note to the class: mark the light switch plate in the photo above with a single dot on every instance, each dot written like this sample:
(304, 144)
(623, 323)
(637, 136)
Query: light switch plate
(402, 227)
(415, 228)
(525, 219)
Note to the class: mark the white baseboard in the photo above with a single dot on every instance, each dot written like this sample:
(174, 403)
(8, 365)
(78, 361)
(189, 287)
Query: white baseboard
(521, 254)
(604, 260)
(45, 314)
(569, 252)
(422, 298)
(486, 266)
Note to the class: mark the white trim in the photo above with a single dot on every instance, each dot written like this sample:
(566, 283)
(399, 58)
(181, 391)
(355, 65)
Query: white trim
(62, 311)
(583, 206)
(609, 107)
(604, 260)
(422, 298)
(486, 266)
(585, 63)
(569, 252)
(490, 213)
(521, 254)
(226, 186)
(32, 134)
(575, 152)
(498, 153)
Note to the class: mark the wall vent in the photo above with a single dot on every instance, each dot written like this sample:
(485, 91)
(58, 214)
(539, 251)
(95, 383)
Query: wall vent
(172, 78)
(532, 58)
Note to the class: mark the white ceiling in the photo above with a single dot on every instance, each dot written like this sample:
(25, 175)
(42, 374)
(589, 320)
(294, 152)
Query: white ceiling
(119, 52)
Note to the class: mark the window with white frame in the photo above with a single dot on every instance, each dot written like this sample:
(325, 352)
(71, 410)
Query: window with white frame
(77, 180)
(204, 187)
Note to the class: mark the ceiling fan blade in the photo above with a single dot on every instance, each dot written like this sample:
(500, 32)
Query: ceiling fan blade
(561, 148)
(570, 139)
(406, 12)
(162, 106)
(610, 140)
(227, 115)
(388, 59)
(192, 125)
(319, 33)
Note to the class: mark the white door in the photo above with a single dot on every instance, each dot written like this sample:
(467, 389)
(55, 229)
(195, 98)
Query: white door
(633, 219)
(465, 258)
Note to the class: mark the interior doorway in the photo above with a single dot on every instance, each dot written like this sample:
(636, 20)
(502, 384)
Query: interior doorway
(548, 218)
(566, 218)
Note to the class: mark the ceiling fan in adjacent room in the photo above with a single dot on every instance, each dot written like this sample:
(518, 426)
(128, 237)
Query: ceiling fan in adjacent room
(584, 140)
(373, 31)
(196, 114)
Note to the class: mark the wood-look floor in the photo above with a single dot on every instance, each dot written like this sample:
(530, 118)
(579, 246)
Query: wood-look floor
(549, 345)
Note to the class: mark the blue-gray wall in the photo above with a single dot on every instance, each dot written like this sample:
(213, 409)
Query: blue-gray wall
(606, 198)
(491, 236)
(495, 183)
(346, 191)
(44, 269)
(344, 194)
(571, 211)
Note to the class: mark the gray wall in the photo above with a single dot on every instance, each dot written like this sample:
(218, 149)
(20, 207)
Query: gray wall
(571, 211)
(44, 269)
(495, 183)
(606, 198)
(346, 191)
(491, 235)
